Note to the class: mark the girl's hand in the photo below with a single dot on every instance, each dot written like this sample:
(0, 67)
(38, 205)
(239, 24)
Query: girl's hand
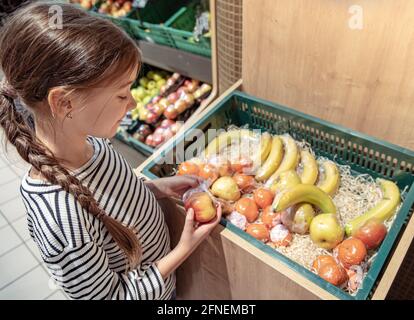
(173, 186)
(192, 236)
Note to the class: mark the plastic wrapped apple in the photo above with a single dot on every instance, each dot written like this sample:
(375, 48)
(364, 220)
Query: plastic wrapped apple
(171, 113)
(201, 203)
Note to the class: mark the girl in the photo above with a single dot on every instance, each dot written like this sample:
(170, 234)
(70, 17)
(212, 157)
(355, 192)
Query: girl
(98, 226)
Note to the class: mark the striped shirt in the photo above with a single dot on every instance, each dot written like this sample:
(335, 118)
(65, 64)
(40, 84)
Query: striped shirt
(80, 254)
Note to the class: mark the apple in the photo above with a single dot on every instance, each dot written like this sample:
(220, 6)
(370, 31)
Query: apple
(170, 112)
(172, 97)
(138, 136)
(143, 82)
(150, 75)
(168, 134)
(166, 123)
(182, 90)
(371, 233)
(159, 131)
(192, 86)
(188, 98)
(157, 77)
(187, 83)
(205, 88)
(146, 99)
(176, 76)
(143, 114)
(180, 106)
(170, 82)
(164, 103)
(158, 139)
(163, 89)
(176, 126)
(151, 118)
(156, 99)
(226, 188)
(325, 231)
(201, 203)
(151, 85)
(161, 83)
(150, 140)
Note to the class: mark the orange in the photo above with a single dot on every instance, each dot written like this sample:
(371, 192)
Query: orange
(241, 165)
(333, 273)
(271, 218)
(259, 231)
(321, 261)
(245, 182)
(188, 168)
(208, 172)
(248, 208)
(281, 236)
(263, 197)
(351, 252)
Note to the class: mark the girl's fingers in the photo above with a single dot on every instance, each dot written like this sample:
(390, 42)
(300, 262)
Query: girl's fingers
(189, 220)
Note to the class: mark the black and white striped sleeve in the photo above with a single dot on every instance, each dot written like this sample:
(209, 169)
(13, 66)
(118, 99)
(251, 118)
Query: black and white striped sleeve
(83, 272)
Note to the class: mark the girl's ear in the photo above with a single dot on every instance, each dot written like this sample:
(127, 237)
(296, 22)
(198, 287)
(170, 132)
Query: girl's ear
(59, 102)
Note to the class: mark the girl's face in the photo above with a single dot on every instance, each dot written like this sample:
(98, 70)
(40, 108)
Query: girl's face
(101, 111)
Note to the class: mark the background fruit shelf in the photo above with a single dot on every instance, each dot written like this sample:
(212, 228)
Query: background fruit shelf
(169, 23)
(364, 154)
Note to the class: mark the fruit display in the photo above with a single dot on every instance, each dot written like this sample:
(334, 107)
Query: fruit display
(309, 208)
(86, 4)
(164, 102)
(115, 8)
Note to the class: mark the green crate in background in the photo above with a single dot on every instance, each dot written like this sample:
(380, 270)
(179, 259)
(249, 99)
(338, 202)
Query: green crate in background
(148, 23)
(180, 28)
(364, 154)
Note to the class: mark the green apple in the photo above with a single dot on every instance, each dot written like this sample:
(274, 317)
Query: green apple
(143, 81)
(325, 231)
(161, 82)
(146, 99)
(154, 91)
(150, 75)
(157, 77)
(140, 93)
(151, 85)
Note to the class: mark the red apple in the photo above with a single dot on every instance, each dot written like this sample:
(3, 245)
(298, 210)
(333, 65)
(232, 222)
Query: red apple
(159, 131)
(170, 112)
(176, 126)
(156, 99)
(167, 123)
(188, 98)
(180, 106)
(187, 83)
(168, 134)
(150, 140)
(158, 139)
(151, 118)
(163, 103)
(172, 97)
(157, 109)
(201, 203)
(371, 233)
(182, 90)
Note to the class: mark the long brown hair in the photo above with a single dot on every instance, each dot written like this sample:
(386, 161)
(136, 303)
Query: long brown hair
(35, 57)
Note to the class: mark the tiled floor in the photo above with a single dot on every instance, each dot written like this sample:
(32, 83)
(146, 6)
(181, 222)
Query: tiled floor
(22, 273)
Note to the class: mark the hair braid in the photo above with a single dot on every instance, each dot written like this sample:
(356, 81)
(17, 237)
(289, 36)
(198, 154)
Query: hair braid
(33, 151)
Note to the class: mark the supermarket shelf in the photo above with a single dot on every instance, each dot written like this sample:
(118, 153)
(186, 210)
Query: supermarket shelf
(170, 59)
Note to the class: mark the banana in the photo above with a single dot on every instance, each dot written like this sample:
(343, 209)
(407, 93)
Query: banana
(304, 193)
(309, 168)
(265, 146)
(330, 183)
(290, 159)
(284, 181)
(228, 137)
(224, 139)
(384, 210)
(273, 160)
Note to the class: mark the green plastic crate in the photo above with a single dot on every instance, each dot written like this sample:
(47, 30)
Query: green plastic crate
(180, 28)
(148, 23)
(365, 155)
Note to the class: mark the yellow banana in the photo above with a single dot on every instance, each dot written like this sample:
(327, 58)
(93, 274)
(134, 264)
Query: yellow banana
(309, 168)
(304, 193)
(330, 182)
(226, 138)
(273, 160)
(284, 181)
(290, 159)
(384, 210)
(265, 146)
